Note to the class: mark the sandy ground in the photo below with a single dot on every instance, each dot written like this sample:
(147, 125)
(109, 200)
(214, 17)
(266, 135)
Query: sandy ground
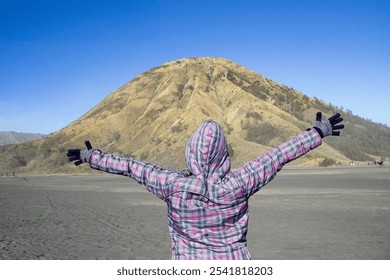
(313, 213)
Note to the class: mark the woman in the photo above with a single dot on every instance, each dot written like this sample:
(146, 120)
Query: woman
(208, 203)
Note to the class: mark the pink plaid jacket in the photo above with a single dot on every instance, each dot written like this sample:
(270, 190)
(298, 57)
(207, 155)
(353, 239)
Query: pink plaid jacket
(208, 208)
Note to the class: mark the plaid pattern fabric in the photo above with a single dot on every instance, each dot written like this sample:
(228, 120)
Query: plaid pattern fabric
(208, 208)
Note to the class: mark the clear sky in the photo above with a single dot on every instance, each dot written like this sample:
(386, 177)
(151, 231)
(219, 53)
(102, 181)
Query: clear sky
(60, 58)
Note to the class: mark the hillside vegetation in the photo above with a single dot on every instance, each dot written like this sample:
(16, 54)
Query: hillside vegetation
(152, 116)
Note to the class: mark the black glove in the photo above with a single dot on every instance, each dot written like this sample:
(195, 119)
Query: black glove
(329, 126)
(78, 155)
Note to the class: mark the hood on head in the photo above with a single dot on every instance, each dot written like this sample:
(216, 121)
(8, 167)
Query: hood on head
(207, 152)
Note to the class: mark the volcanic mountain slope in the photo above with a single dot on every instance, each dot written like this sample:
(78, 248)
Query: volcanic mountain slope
(11, 137)
(152, 116)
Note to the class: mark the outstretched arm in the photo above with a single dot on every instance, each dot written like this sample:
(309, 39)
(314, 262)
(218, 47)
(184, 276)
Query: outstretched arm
(153, 177)
(257, 173)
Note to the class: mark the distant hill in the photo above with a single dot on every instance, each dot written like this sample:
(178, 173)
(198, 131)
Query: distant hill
(152, 116)
(10, 137)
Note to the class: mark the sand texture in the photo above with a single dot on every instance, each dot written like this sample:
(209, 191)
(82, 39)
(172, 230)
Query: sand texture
(313, 213)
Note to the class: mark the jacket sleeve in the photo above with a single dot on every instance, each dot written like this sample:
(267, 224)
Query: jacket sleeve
(257, 173)
(155, 179)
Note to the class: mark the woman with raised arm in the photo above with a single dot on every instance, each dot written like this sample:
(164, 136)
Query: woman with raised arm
(208, 203)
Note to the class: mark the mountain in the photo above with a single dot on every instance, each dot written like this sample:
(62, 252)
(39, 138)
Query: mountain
(10, 137)
(152, 116)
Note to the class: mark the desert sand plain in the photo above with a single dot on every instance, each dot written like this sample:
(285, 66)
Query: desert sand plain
(305, 213)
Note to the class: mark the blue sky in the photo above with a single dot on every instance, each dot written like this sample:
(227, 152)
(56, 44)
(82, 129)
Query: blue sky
(60, 58)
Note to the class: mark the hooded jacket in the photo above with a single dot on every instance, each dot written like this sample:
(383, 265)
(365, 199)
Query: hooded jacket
(208, 205)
